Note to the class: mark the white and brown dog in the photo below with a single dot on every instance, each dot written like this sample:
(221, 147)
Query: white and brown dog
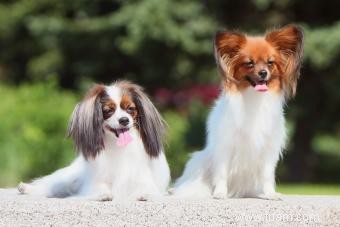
(118, 134)
(245, 129)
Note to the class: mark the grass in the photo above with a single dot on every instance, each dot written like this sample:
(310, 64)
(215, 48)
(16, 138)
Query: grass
(309, 189)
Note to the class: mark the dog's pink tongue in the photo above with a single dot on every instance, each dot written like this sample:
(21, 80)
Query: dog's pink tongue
(124, 139)
(261, 87)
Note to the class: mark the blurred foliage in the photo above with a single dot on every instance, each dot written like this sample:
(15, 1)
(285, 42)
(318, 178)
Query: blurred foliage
(33, 127)
(176, 144)
(186, 133)
(158, 44)
(104, 40)
(309, 189)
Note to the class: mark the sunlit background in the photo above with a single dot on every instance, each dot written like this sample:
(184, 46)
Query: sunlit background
(51, 51)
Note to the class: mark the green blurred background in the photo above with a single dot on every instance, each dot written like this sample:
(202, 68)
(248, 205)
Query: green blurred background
(51, 51)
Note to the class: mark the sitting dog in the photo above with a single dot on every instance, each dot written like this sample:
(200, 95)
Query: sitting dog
(245, 129)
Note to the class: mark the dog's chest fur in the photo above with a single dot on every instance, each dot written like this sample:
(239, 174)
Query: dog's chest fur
(249, 119)
(246, 130)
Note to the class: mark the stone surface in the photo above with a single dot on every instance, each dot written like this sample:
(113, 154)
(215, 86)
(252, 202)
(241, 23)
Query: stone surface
(23, 210)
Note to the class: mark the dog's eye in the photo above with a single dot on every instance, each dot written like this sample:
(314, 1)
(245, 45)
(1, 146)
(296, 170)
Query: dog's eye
(107, 111)
(270, 62)
(130, 109)
(249, 64)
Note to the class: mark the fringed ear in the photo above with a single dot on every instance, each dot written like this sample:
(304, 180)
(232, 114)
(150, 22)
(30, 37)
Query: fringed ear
(226, 47)
(289, 42)
(150, 124)
(86, 123)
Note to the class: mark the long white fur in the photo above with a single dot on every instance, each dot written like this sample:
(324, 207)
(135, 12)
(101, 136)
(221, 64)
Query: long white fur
(117, 172)
(245, 138)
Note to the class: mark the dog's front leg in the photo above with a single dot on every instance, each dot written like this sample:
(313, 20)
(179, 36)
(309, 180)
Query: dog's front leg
(147, 189)
(268, 183)
(96, 191)
(219, 181)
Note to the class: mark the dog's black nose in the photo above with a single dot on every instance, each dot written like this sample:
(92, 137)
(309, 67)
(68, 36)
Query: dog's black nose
(124, 121)
(263, 74)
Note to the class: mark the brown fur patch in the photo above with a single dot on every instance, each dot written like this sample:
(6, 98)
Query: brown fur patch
(108, 106)
(128, 105)
(257, 51)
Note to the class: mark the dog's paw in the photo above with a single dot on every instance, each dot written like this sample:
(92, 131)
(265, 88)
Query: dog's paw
(171, 191)
(220, 195)
(149, 197)
(104, 198)
(143, 198)
(24, 188)
(272, 196)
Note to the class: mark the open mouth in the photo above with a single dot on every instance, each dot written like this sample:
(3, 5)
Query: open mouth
(259, 85)
(117, 131)
(123, 135)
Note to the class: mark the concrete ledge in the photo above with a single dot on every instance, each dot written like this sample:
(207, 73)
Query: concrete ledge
(23, 210)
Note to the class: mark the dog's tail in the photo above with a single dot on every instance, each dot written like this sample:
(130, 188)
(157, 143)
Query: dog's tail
(194, 181)
(62, 183)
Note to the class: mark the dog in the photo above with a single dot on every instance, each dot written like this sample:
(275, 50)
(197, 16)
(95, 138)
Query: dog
(118, 134)
(245, 129)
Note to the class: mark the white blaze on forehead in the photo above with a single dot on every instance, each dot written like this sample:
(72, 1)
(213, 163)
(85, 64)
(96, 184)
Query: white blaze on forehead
(115, 93)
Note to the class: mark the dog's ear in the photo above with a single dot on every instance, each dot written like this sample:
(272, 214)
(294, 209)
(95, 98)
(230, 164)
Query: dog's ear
(289, 42)
(86, 123)
(226, 46)
(150, 124)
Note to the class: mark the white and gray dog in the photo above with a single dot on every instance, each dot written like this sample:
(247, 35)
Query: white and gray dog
(118, 134)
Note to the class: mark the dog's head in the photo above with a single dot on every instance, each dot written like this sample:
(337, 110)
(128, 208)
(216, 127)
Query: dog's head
(269, 62)
(114, 111)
